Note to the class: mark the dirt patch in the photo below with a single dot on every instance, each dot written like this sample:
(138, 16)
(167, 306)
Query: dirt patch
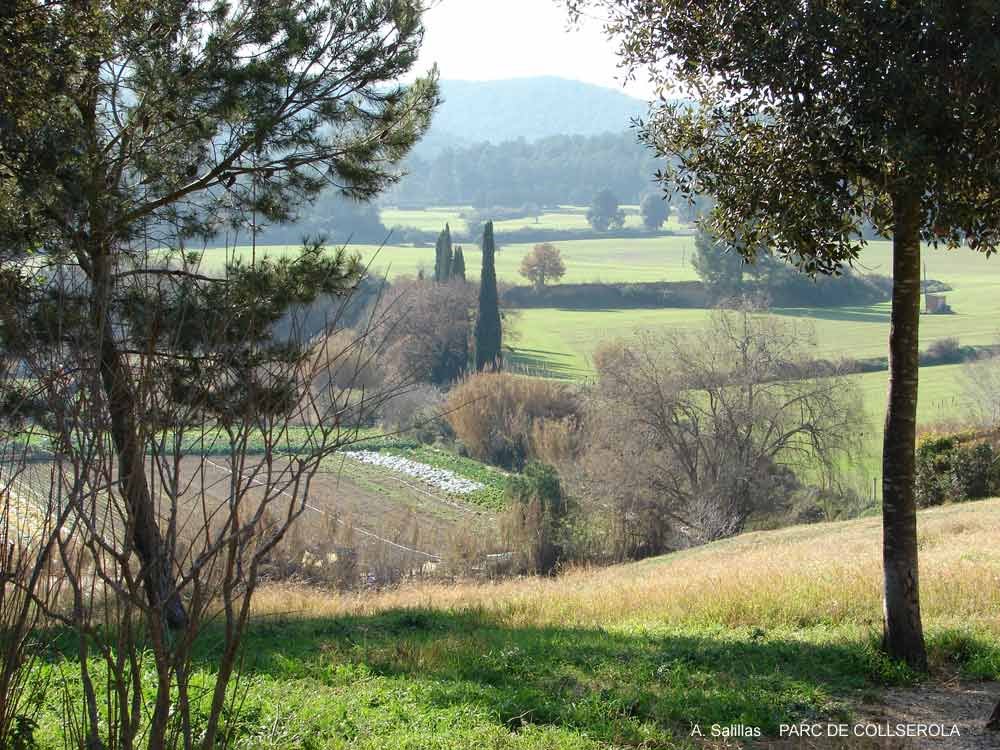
(964, 705)
(955, 711)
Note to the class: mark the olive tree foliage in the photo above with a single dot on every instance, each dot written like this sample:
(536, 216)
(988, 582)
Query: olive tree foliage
(808, 121)
(691, 433)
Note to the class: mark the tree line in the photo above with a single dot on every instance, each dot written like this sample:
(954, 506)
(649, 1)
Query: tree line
(556, 170)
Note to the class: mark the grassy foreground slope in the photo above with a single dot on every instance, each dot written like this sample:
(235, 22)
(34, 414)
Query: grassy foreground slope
(760, 630)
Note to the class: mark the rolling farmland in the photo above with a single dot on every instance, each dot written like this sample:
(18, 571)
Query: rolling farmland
(555, 342)
(613, 260)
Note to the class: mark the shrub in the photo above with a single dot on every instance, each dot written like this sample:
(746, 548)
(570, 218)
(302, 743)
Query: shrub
(555, 441)
(933, 467)
(944, 352)
(494, 414)
(536, 518)
(417, 411)
(955, 468)
(973, 475)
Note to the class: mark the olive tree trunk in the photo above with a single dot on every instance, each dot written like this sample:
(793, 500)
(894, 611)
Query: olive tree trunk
(903, 638)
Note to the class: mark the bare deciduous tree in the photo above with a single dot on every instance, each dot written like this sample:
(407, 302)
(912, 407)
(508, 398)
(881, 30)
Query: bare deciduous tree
(427, 329)
(30, 525)
(693, 432)
(228, 455)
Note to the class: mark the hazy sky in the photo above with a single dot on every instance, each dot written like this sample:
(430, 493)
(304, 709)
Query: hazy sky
(483, 40)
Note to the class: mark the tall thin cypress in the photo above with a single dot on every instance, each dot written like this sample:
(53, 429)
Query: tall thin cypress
(458, 264)
(488, 328)
(438, 253)
(443, 255)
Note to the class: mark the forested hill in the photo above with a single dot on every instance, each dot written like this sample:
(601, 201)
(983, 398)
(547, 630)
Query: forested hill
(529, 108)
(555, 169)
(512, 143)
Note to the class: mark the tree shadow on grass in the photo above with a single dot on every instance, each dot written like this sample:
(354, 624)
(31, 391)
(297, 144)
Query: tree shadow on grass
(620, 687)
(542, 363)
(841, 314)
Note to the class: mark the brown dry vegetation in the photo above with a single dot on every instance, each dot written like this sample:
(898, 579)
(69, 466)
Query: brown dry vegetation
(361, 508)
(821, 574)
(505, 419)
(391, 525)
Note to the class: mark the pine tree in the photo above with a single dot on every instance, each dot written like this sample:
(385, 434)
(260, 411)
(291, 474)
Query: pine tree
(211, 115)
(443, 256)
(489, 332)
(458, 264)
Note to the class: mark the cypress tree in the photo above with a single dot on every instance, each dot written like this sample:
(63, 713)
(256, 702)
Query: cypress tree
(488, 329)
(449, 256)
(458, 264)
(443, 255)
(438, 252)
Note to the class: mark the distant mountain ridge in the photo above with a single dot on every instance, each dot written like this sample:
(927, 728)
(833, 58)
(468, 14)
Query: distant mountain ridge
(529, 108)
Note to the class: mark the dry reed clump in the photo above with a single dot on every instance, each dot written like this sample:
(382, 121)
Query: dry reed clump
(556, 441)
(823, 574)
(498, 416)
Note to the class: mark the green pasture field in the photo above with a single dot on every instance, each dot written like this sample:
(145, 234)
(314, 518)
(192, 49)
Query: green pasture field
(668, 258)
(564, 218)
(610, 260)
(426, 220)
(562, 341)
(942, 400)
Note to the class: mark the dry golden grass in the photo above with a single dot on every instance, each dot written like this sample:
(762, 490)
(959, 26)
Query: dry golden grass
(823, 574)
(20, 518)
